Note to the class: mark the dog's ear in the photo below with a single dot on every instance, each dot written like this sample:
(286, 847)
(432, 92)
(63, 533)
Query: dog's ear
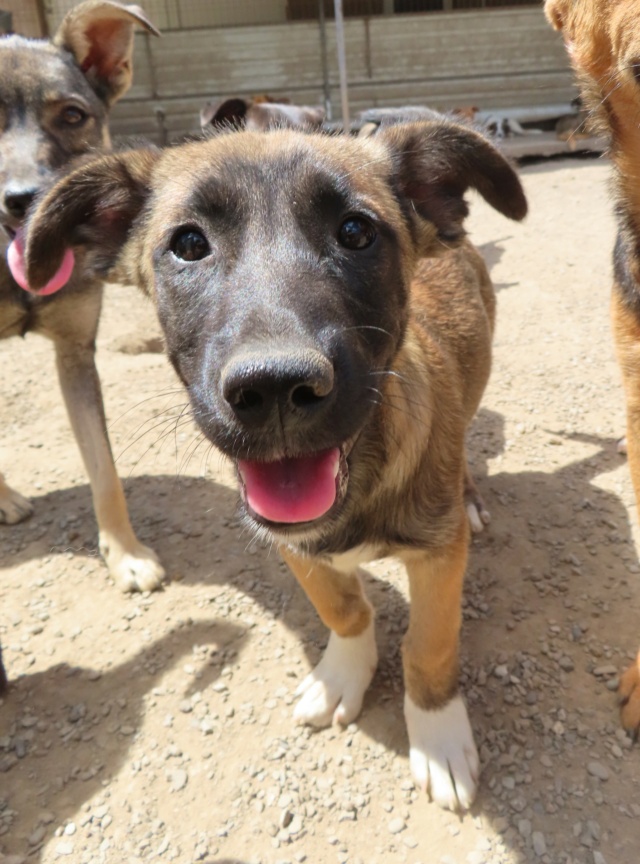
(92, 207)
(99, 34)
(434, 165)
(230, 112)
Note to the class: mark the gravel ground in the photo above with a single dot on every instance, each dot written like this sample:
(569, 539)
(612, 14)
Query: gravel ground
(159, 727)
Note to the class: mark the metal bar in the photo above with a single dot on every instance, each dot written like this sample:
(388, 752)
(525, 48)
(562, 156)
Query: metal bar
(322, 20)
(42, 18)
(342, 63)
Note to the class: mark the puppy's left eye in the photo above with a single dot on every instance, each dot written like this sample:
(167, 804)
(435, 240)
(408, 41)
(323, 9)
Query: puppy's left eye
(356, 233)
(73, 116)
(189, 245)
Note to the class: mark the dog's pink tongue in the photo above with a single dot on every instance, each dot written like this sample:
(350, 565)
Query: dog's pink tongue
(15, 260)
(292, 490)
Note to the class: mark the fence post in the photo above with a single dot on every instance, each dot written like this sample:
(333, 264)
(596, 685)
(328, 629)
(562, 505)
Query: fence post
(342, 64)
(325, 63)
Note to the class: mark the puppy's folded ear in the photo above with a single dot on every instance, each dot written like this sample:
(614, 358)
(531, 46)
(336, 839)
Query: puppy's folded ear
(230, 113)
(92, 207)
(99, 34)
(434, 165)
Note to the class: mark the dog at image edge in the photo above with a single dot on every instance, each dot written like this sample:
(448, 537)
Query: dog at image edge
(332, 326)
(55, 98)
(603, 41)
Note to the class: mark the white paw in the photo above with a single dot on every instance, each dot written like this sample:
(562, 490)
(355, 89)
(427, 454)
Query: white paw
(133, 570)
(13, 506)
(442, 753)
(334, 691)
(478, 516)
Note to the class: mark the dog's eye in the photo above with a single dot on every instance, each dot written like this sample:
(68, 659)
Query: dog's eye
(189, 245)
(356, 232)
(73, 116)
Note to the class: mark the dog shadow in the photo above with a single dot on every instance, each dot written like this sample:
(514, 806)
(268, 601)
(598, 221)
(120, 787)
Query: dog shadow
(492, 252)
(68, 701)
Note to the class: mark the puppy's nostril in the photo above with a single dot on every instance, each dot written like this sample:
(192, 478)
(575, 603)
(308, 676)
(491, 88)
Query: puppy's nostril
(305, 396)
(248, 399)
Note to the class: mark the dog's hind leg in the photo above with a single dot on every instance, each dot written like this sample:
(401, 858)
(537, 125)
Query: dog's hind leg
(477, 512)
(13, 506)
(334, 691)
(629, 693)
(442, 753)
(626, 329)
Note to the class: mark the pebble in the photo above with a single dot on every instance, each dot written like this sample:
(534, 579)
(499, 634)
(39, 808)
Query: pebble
(396, 825)
(539, 843)
(597, 769)
(178, 779)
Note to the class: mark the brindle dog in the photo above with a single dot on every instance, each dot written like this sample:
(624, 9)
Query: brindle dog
(603, 41)
(55, 99)
(335, 366)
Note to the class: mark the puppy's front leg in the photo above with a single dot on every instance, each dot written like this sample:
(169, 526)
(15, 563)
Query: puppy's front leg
(334, 691)
(443, 756)
(13, 506)
(133, 565)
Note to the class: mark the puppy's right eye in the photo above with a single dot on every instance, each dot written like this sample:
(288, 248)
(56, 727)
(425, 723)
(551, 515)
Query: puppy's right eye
(189, 245)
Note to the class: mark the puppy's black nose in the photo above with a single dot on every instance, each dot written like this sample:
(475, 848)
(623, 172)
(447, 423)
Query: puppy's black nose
(17, 202)
(295, 384)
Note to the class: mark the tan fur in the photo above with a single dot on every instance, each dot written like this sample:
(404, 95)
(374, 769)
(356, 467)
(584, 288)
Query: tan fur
(603, 40)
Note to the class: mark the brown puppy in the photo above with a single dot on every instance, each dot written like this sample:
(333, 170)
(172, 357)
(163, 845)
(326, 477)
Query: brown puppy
(260, 114)
(335, 366)
(55, 99)
(603, 41)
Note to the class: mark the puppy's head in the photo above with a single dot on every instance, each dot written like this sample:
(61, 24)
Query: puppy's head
(259, 115)
(55, 97)
(281, 267)
(603, 41)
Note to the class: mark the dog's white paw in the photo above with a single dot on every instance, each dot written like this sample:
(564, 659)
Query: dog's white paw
(13, 506)
(334, 691)
(442, 753)
(136, 569)
(478, 516)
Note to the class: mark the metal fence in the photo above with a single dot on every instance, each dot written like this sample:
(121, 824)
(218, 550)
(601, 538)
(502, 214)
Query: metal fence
(194, 14)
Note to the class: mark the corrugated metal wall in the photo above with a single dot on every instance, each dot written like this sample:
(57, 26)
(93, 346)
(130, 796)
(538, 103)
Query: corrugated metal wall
(491, 58)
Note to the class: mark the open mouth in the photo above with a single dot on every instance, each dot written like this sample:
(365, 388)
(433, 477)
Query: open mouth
(292, 491)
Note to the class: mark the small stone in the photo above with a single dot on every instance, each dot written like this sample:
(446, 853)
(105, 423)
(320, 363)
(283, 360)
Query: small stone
(539, 843)
(524, 827)
(598, 858)
(178, 779)
(66, 847)
(597, 769)
(396, 825)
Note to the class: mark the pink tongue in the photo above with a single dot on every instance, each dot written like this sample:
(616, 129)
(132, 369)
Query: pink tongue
(15, 260)
(292, 490)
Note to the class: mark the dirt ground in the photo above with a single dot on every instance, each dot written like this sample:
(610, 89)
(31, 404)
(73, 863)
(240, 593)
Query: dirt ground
(159, 727)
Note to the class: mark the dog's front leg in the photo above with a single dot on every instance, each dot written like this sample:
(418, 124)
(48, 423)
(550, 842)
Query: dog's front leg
(13, 506)
(443, 756)
(133, 566)
(334, 691)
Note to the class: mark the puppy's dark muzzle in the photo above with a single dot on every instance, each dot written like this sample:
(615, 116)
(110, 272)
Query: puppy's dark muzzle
(290, 389)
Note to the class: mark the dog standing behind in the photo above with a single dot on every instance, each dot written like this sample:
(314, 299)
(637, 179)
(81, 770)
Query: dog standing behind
(335, 367)
(55, 99)
(603, 41)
